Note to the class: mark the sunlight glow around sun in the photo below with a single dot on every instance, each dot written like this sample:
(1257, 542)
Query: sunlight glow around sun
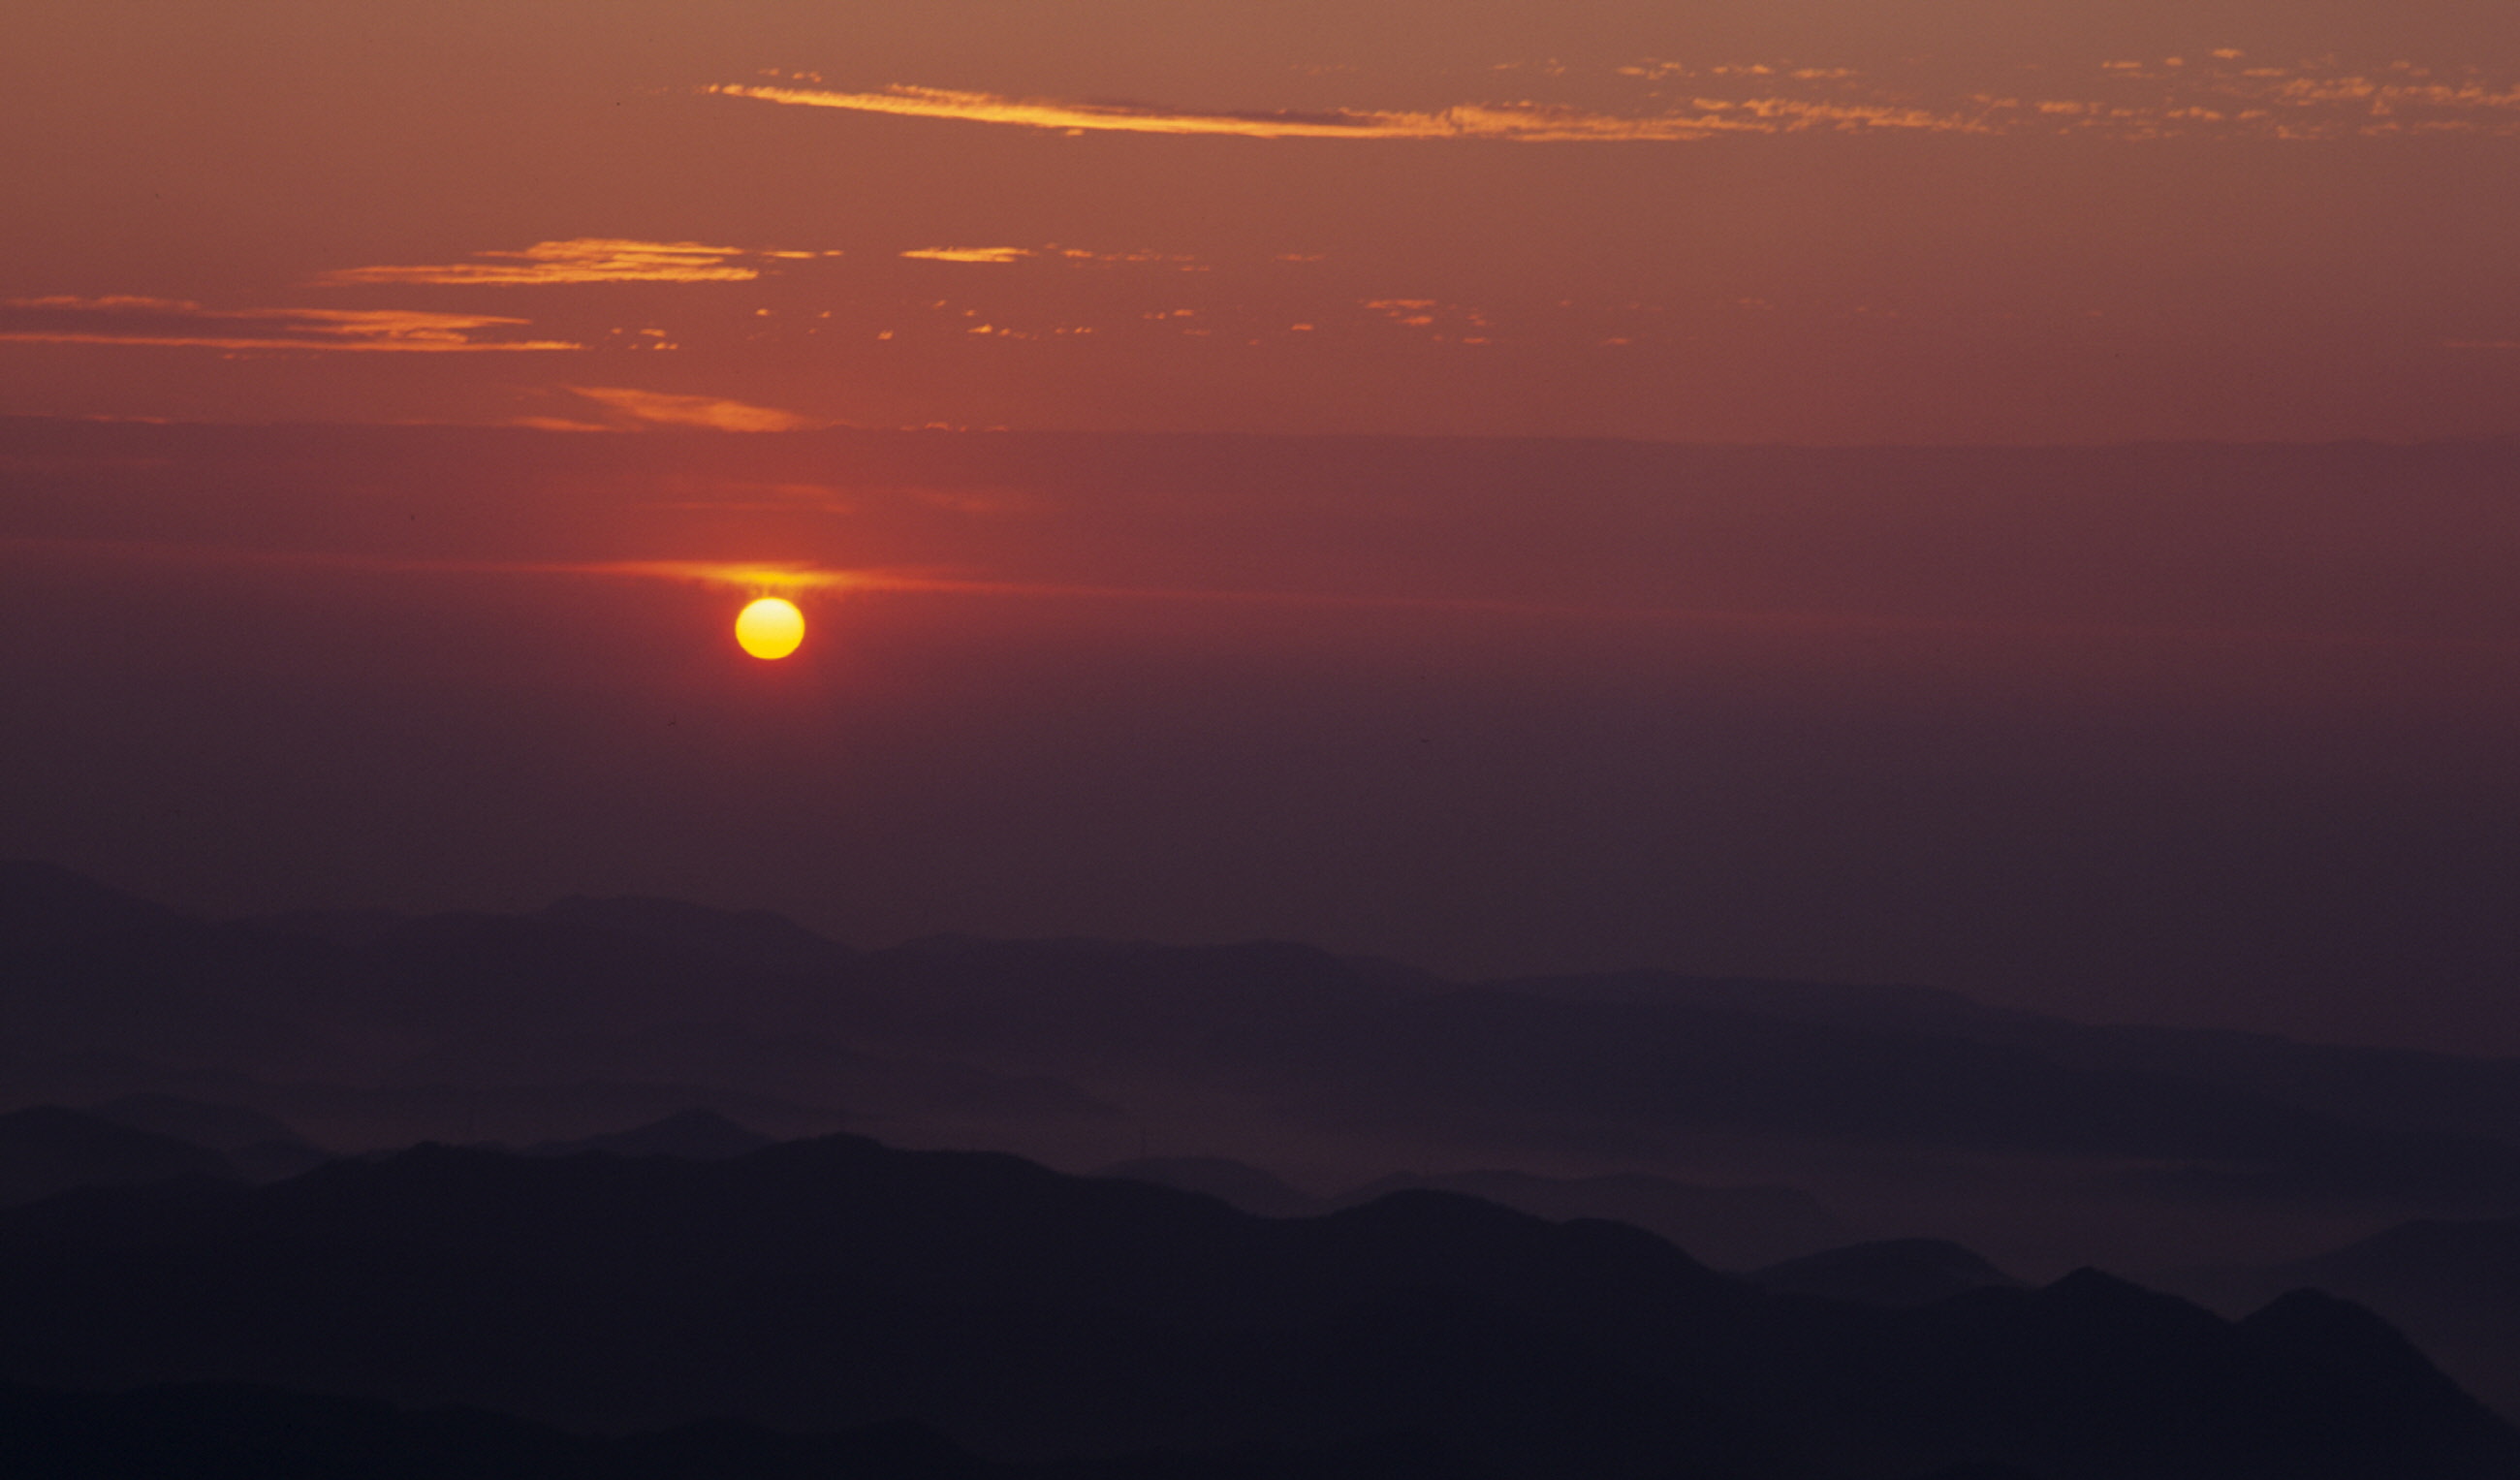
(770, 628)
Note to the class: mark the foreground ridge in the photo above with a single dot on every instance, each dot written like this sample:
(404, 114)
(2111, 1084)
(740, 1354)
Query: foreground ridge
(1033, 1318)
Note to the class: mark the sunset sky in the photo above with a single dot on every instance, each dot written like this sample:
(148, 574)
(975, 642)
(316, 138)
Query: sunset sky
(2017, 496)
(1824, 221)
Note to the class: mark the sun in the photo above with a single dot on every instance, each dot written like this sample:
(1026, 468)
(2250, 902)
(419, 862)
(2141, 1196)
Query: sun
(770, 628)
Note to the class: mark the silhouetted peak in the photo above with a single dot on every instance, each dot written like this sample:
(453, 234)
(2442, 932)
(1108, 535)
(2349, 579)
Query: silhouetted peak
(841, 1149)
(2342, 1332)
(220, 1127)
(1029, 1312)
(1896, 1272)
(50, 1149)
(1240, 1184)
(1436, 1237)
(256, 1145)
(432, 1157)
(694, 1135)
(2111, 1303)
(2091, 1287)
(1609, 1243)
(1430, 1207)
(2315, 1312)
(43, 904)
(1726, 1227)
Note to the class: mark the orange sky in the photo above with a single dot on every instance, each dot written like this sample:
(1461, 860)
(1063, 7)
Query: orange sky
(1822, 221)
(2183, 731)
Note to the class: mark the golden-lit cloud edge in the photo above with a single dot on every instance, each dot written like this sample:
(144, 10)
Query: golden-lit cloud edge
(999, 255)
(1527, 123)
(1073, 256)
(2219, 96)
(579, 259)
(657, 408)
(179, 322)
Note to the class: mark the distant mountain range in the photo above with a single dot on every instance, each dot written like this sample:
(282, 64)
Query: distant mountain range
(2454, 1286)
(1729, 1228)
(654, 992)
(1752, 1123)
(46, 1149)
(833, 1284)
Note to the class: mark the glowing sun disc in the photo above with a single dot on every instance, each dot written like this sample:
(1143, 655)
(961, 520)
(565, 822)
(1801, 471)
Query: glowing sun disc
(770, 628)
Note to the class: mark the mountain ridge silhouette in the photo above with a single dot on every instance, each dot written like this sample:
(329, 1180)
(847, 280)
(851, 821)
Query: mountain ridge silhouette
(826, 1284)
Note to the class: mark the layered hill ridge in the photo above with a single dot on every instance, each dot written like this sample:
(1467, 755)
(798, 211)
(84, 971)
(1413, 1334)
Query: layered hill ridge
(1749, 1122)
(586, 983)
(46, 1149)
(830, 1284)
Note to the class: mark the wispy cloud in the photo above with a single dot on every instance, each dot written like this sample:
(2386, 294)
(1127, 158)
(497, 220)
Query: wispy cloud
(2221, 94)
(657, 408)
(1072, 256)
(180, 322)
(758, 577)
(998, 255)
(1458, 324)
(1520, 123)
(580, 259)
(1181, 260)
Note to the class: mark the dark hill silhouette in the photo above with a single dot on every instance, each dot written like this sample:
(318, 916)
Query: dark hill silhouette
(1614, 1064)
(46, 1149)
(692, 1135)
(2454, 1287)
(354, 1119)
(1892, 1272)
(1239, 1183)
(234, 1430)
(643, 990)
(85, 968)
(834, 1284)
(802, 1066)
(710, 1006)
(2390, 1089)
(220, 1127)
(1906, 1110)
(260, 1146)
(1728, 1227)
(229, 1429)
(45, 908)
(509, 1111)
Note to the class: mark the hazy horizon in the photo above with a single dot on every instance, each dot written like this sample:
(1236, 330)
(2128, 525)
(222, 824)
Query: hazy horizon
(2207, 735)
